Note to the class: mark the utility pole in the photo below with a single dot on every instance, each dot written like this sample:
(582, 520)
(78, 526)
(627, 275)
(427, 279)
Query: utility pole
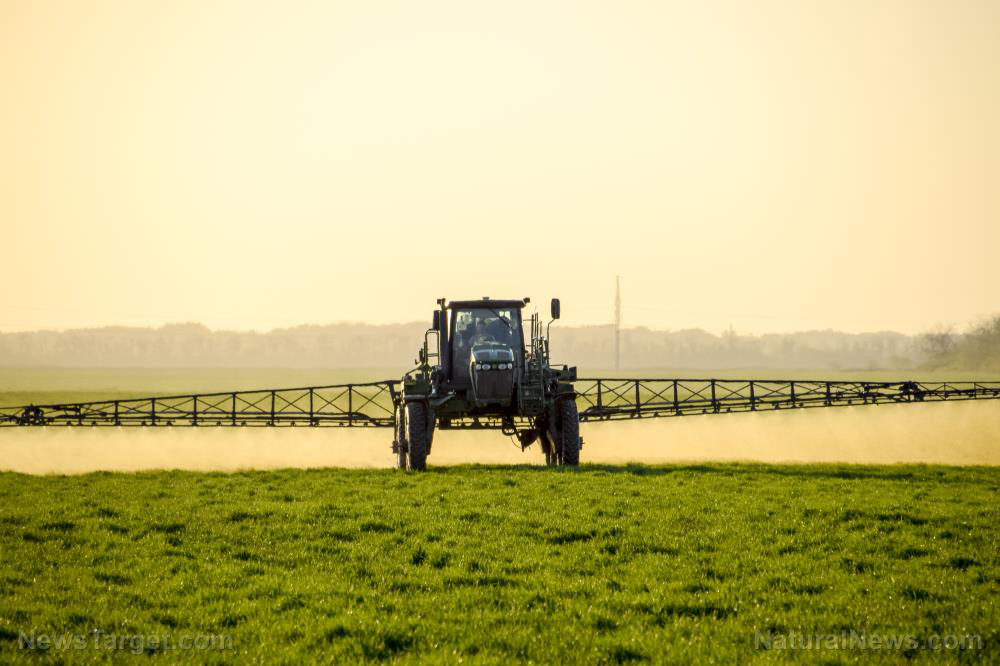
(618, 322)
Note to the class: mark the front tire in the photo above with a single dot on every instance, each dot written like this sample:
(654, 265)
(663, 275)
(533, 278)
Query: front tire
(568, 440)
(418, 435)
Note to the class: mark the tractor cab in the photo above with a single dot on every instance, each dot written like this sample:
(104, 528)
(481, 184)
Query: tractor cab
(484, 336)
(479, 375)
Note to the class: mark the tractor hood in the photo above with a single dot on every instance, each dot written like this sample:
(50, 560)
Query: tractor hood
(491, 367)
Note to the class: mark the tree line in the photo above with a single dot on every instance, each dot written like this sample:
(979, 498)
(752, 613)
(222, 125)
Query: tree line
(355, 345)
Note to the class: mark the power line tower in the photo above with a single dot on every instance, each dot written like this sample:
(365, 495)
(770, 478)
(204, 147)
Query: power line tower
(618, 322)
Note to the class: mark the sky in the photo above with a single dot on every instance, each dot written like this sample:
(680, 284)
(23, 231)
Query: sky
(769, 165)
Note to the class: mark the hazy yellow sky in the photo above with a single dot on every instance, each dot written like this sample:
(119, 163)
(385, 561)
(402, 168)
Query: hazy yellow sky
(774, 165)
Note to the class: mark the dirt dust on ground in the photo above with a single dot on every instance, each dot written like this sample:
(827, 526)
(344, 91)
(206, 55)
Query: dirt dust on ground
(961, 433)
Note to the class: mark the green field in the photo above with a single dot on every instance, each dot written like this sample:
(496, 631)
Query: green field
(506, 564)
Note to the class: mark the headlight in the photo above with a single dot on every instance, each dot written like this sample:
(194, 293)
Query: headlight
(486, 366)
(479, 366)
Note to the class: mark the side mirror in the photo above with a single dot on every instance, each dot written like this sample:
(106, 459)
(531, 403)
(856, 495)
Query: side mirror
(437, 320)
(555, 308)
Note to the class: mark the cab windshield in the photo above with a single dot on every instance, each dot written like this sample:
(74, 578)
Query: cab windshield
(480, 326)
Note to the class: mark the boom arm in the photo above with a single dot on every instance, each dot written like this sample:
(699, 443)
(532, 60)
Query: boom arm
(611, 399)
(601, 399)
(364, 405)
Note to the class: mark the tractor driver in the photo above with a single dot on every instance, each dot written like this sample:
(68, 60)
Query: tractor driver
(481, 335)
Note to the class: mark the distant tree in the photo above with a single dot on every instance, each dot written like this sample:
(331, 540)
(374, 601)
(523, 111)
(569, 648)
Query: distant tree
(980, 348)
(939, 342)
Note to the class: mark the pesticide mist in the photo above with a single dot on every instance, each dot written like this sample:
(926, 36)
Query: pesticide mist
(955, 433)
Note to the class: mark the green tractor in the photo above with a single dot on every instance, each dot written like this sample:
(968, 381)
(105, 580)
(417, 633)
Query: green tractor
(477, 371)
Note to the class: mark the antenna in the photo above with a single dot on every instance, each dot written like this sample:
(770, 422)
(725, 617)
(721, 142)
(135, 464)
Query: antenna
(618, 322)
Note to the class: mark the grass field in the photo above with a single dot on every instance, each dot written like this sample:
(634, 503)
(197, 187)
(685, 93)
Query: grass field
(608, 564)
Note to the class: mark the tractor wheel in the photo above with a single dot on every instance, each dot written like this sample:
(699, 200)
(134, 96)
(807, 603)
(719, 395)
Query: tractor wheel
(400, 435)
(418, 435)
(569, 433)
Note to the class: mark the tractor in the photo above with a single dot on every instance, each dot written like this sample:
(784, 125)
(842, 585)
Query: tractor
(477, 370)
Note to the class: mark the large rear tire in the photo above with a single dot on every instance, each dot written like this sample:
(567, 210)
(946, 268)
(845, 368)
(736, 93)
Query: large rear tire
(418, 435)
(569, 433)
